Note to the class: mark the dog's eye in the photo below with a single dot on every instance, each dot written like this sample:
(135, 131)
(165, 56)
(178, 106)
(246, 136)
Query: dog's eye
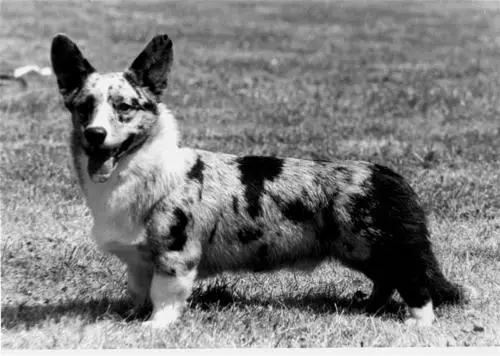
(124, 107)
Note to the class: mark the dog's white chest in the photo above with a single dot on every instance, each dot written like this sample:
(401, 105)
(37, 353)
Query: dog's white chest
(115, 204)
(111, 205)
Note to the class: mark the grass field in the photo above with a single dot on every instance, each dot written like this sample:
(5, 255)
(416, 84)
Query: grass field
(412, 85)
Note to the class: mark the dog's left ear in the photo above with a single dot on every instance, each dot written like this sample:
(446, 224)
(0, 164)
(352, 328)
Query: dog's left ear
(151, 68)
(70, 67)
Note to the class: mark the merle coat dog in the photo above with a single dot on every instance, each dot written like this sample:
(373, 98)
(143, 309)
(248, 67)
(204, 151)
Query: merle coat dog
(173, 214)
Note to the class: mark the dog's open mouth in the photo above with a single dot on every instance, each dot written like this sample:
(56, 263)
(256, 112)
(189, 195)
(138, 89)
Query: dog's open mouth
(102, 161)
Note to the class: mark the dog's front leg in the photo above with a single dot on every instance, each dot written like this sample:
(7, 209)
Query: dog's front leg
(139, 277)
(139, 273)
(169, 293)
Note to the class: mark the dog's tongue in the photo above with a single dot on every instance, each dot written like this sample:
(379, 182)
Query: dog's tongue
(100, 168)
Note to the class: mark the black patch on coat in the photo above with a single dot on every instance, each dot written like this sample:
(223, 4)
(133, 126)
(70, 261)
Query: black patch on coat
(296, 209)
(236, 204)
(213, 232)
(249, 234)
(330, 229)
(395, 205)
(196, 172)
(388, 207)
(178, 231)
(255, 170)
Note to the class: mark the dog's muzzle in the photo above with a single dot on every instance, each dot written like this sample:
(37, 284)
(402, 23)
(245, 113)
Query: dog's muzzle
(102, 160)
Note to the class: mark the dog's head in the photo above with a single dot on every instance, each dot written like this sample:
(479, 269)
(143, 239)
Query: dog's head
(114, 113)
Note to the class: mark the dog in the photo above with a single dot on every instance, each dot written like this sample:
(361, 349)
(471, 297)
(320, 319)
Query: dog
(173, 214)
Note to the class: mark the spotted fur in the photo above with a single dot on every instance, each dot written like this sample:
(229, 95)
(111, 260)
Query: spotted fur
(173, 213)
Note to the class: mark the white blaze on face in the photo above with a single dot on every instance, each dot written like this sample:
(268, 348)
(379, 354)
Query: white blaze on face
(101, 162)
(104, 115)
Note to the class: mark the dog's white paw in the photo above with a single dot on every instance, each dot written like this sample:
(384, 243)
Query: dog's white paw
(156, 325)
(162, 319)
(422, 316)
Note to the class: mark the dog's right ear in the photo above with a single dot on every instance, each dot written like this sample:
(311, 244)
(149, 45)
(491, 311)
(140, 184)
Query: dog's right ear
(151, 67)
(70, 67)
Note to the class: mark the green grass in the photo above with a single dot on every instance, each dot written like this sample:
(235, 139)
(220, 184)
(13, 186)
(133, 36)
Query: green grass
(412, 85)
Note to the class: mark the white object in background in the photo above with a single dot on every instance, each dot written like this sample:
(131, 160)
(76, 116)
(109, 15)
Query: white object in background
(21, 71)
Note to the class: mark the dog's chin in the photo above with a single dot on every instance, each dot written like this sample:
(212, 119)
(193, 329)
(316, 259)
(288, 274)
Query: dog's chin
(100, 168)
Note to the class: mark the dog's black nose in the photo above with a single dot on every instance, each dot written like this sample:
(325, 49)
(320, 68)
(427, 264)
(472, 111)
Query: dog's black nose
(95, 136)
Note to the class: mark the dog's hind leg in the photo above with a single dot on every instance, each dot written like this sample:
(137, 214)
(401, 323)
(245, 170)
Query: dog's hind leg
(419, 302)
(168, 295)
(381, 293)
(414, 285)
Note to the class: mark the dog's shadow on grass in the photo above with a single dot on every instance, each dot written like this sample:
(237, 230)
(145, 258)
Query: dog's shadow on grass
(220, 298)
(212, 299)
(89, 310)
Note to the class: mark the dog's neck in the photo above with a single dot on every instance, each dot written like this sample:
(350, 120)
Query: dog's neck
(161, 149)
(166, 130)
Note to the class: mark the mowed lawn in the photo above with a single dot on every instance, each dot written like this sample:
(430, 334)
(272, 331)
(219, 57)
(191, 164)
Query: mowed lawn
(412, 85)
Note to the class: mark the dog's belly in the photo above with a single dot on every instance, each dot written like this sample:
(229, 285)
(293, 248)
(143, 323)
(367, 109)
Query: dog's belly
(206, 270)
(297, 249)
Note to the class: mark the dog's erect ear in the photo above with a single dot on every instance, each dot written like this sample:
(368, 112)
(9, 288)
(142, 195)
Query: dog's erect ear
(70, 67)
(150, 69)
